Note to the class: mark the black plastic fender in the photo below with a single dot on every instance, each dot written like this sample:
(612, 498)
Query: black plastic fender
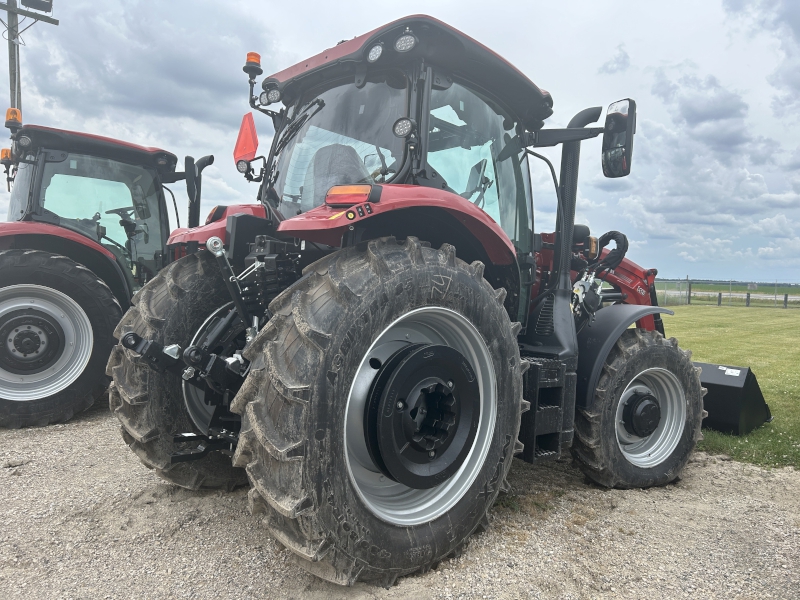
(596, 341)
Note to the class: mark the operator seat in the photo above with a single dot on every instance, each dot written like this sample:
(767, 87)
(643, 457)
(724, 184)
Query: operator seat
(332, 165)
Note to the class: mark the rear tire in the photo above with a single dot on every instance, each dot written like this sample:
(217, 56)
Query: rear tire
(298, 443)
(56, 325)
(607, 447)
(149, 405)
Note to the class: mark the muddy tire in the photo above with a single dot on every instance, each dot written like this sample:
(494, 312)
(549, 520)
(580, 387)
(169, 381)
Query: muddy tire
(56, 325)
(306, 412)
(646, 416)
(150, 405)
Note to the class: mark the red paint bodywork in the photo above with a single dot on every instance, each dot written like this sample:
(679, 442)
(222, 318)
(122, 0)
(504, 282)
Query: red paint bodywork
(100, 138)
(327, 225)
(629, 278)
(355, 46)
(217, 228)
(9, 230)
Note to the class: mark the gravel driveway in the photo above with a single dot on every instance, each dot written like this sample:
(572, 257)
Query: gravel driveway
(82, 518)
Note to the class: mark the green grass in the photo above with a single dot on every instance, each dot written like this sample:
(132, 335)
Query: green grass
(766, 340)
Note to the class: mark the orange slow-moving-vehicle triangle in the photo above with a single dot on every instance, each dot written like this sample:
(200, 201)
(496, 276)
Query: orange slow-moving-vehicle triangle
(247, 142)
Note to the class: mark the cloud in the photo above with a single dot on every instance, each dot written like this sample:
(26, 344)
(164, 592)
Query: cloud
(778, 226)
(780, 19)
(618, 63)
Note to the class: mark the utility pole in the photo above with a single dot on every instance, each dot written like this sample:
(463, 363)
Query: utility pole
(13, 32)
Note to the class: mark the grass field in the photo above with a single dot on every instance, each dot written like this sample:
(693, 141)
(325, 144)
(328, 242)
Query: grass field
(724, 287)
(766, 341)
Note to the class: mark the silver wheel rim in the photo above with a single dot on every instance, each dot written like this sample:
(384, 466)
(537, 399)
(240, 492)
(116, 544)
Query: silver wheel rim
(78, 342)
(651, 451)
(391, 501)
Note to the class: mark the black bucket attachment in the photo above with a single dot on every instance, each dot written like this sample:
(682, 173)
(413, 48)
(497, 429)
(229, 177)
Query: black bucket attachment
(734, 401)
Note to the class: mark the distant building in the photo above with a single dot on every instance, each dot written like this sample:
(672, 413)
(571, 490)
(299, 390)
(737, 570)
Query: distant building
(752, 286)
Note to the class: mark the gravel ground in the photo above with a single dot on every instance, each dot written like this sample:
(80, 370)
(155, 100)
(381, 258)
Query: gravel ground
(82, 518)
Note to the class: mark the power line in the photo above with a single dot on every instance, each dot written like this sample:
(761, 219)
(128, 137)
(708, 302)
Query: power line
(14, 41)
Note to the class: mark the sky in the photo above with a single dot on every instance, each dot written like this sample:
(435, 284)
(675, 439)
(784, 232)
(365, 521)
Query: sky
(714, 191)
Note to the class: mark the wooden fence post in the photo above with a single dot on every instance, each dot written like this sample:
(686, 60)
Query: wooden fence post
(689, 292)
(786, 301)
(719, 299)
(747, 302)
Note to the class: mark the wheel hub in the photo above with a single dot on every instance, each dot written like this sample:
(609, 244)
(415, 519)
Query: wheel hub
(422, 414)
(32, 341)
(641, 414)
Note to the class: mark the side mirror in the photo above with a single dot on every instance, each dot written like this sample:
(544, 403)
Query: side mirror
(618, 138)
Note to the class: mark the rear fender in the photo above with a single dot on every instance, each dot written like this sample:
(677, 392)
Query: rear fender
(327, 225)
(58, 240)
(215, 224)
(596, 341)
(429, 214)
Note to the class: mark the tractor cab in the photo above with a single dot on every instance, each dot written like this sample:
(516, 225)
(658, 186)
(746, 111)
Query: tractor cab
(413, 102)
(106, 195)
(102, 189)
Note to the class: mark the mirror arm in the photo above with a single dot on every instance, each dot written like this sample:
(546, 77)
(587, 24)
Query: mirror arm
(172, 177)
(551, 137)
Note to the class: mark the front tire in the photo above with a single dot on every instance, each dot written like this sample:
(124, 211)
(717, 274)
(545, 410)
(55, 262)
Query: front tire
(307, 409)
(645, 417)
(56, 325)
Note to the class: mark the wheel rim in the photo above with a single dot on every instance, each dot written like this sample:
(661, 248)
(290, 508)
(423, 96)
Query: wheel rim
(33, 320)
(392, 501)
(651, 450)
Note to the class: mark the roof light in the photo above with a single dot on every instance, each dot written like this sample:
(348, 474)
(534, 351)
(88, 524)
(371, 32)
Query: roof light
(243, 166)
(24, 141)
(405, 42)
(13, 118)
(252, 65)
(404, 127)
(5, 156)
(375, 53)
(347, 195)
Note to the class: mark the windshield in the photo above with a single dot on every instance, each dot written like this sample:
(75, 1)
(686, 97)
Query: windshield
(18, 205)
(114, 203)
(473, 145)
(340, 135)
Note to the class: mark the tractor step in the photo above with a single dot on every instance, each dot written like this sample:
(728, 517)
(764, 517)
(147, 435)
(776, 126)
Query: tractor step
(546, 429)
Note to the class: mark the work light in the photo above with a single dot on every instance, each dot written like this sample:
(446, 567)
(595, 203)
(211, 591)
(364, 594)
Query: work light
(403, 127)
(375, 53)
(405, 42)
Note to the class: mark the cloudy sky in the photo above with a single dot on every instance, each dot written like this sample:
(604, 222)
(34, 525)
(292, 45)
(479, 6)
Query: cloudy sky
(715, 188)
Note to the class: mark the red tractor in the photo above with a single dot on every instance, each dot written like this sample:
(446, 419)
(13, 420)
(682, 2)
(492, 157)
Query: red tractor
(87, 227)
(374, 342)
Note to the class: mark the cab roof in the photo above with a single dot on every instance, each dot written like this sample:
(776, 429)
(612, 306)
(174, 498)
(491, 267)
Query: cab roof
(97, 145)
(440, 44)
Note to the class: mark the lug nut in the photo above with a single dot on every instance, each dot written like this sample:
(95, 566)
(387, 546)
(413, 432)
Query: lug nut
(432, 454)
(400, 405)
(450, 384)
